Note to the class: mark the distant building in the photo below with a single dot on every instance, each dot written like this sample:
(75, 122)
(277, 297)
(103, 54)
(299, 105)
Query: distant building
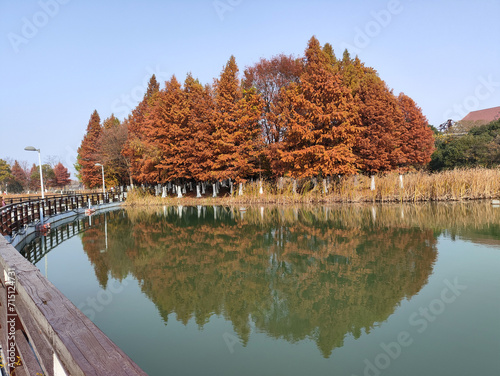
(481, 117)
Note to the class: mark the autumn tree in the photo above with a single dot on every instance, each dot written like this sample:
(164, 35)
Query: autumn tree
(110, 143)
(167, 127)
(61, 176)
(237, 137)
(417, 140)
(135, 146)
(379, 145)
(88, 154)
(270, 78)
(21, 174)
(197, 148)
(18, 182)
(321, 122)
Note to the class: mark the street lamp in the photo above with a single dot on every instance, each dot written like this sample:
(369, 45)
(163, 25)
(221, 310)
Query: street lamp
(31, 148)
(103, 186)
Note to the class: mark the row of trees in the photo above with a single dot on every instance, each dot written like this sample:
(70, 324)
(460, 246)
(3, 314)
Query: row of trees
(314, 116)
(17, 177)
(480, 147)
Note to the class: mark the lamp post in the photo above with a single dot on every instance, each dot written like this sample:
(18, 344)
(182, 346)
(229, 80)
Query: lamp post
(103, 186)
(31, 148)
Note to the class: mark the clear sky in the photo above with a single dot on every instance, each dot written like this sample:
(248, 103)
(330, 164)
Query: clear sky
(61, 59)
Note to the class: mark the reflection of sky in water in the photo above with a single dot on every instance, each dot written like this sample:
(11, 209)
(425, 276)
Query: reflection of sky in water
(282, 295)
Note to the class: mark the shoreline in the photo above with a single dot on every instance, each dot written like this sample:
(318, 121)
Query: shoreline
(447, 186)
(277, 201)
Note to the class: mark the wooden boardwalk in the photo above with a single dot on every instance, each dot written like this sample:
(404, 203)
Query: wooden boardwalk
(23, 212)
(41, 331)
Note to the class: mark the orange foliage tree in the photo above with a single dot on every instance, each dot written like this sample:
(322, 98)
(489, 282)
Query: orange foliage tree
(61, 176)
(379, 145)
(417, 138)
(88, 154)
(198, 143)
(134, 148)
(237, 138)
(166, 128)
(321, 122)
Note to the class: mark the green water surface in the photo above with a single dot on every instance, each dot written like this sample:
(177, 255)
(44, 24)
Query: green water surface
(342, 290)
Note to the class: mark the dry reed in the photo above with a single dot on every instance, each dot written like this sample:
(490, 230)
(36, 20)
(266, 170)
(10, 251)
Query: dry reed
(452, 185)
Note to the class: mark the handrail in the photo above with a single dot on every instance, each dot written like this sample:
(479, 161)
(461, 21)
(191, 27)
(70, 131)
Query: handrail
(16, 199)
(14, 217)
(42, 245)
(43, 333)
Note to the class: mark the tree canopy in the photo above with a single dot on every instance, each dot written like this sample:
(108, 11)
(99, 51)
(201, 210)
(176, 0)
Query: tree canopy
(303, 117)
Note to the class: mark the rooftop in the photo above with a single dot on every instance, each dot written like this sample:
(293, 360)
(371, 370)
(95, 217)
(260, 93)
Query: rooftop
(483, 116)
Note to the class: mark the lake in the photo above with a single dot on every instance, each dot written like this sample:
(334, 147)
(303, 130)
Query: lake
(293, 290)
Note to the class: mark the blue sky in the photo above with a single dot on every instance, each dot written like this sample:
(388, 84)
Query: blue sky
(61, 59)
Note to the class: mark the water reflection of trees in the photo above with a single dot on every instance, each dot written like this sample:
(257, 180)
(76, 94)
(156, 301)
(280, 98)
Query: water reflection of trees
(296, 273)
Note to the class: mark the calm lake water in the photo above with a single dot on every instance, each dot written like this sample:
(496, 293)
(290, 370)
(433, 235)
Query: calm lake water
(344, 290)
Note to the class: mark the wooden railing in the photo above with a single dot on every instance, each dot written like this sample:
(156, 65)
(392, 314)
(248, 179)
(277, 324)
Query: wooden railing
(35, 250)
(16, 215)
(43, 333)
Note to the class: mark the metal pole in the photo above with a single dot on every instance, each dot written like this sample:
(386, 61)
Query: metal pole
(41, 186)
(41, 175)
(103, 186)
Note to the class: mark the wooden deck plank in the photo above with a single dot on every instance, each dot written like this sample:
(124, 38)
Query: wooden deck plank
(82, 348)
(40, 344)
(28, 358)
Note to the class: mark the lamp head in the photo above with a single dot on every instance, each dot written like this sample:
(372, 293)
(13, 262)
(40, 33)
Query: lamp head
(31, 148)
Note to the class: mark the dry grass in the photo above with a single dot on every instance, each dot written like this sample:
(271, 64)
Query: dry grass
(453, 185)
